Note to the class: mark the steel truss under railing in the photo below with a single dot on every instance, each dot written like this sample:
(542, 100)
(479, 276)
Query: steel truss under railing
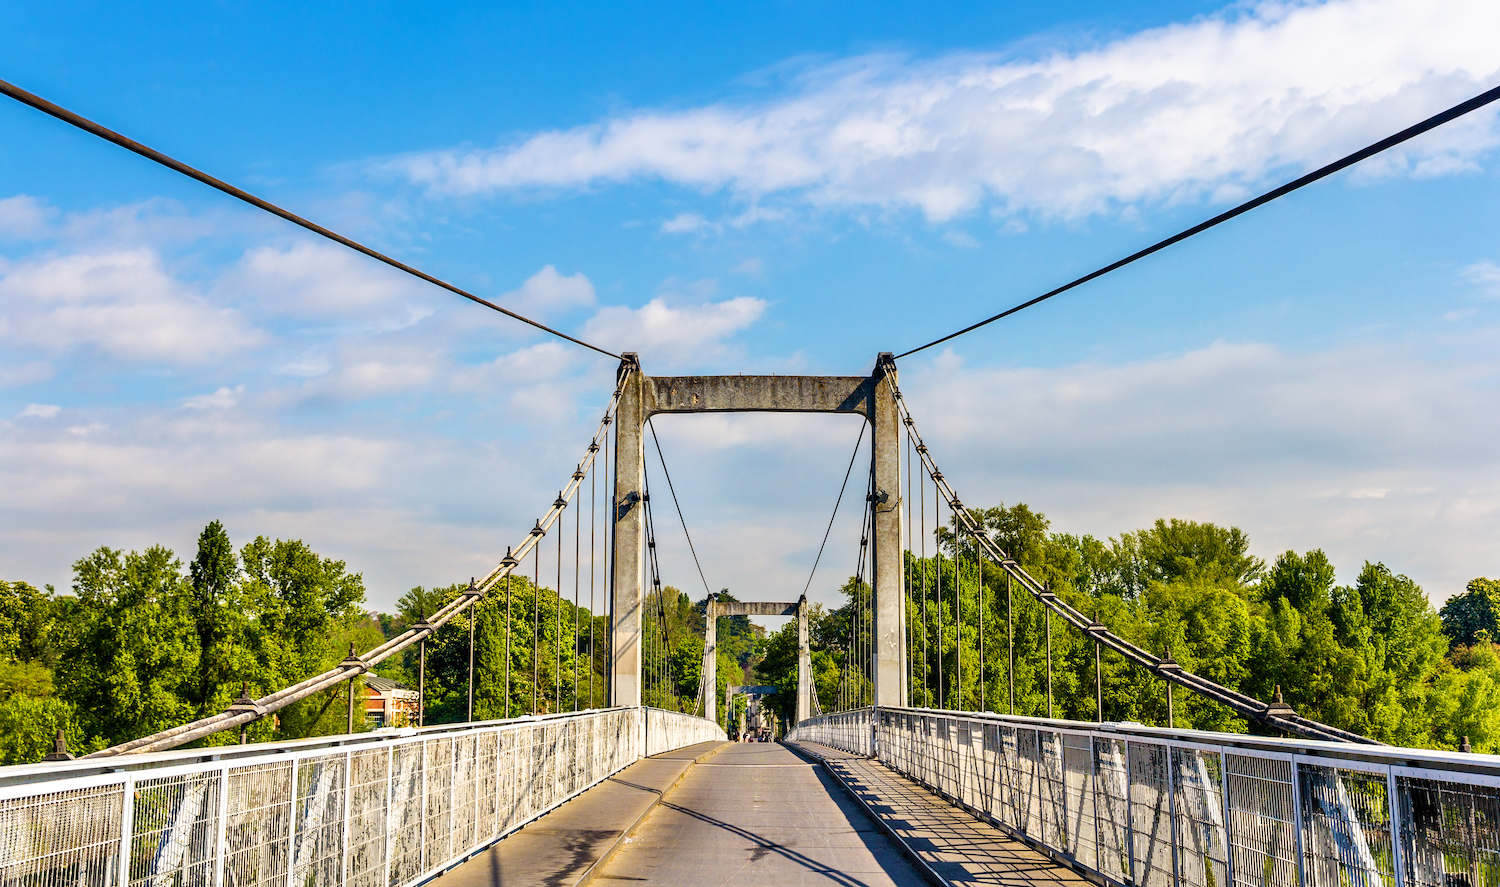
(1150, 807)
(1275, 715)
(393, 807)
(355, 666)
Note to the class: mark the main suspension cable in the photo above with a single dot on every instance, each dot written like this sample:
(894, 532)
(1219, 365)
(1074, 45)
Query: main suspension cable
(110, 135)
(1278, 716)
(366, 662)
(1364, 153)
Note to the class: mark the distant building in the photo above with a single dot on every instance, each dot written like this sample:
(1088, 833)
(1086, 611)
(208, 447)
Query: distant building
(389, 703)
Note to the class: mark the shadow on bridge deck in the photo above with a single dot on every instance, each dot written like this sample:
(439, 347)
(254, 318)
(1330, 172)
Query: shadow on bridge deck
(955, 847)
(759, 814)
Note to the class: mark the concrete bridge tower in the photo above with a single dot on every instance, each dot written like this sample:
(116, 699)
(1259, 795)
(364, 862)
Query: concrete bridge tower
(872, 397)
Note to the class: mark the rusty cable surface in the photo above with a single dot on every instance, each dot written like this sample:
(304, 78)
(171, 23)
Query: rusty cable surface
(152, 154)
(265, 705)
(1279, 717)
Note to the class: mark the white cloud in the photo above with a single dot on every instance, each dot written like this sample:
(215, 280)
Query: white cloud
(322, 280)
(40, 411)
(665, 334)
(753, 267)
(1210, 109)
(1486, 276)
(548, 293)
(1369, 453)
(24, 218)
(222, 399)
(16, 375)
(687, 223)
(122, 302)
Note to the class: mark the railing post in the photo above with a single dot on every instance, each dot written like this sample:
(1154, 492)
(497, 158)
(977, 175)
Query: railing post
(348, 788)
(127, 828)
(710, 671)
(221, 830)
(1228, 822)
(1393, 801)
(1297, 818)
(291, 830)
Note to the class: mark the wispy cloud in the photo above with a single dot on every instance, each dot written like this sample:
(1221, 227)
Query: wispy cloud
(124, 303)
(1486, 276)
(1207, 109)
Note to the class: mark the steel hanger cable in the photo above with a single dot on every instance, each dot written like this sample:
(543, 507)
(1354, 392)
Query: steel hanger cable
(110, 135)
(678, 505)
(1432, 122)
(847, 472)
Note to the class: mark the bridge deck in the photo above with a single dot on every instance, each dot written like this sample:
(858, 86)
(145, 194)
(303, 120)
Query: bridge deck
(757, 814)
(564, 847)
(954, 846)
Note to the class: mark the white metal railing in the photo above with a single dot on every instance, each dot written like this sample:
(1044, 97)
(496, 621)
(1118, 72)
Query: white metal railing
(849, 731)
(670, 730)
(1164, 808)
(382, 809)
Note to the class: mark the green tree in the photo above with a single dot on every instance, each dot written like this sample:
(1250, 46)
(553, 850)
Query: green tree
(1473, 611)
(128, 658)
(300, 601)
(26, 622)
(1175, 549)
(221, 623)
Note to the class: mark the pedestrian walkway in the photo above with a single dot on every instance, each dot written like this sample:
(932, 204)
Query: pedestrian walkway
(757, 814)
(564, 848)
(951, 844)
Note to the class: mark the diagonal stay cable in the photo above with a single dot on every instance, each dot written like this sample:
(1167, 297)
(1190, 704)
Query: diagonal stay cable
(678, 506)
(1411, 132)
(847, 473)
(110, 135)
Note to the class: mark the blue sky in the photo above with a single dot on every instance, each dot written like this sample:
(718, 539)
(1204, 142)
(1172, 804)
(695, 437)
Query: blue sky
(756, 188)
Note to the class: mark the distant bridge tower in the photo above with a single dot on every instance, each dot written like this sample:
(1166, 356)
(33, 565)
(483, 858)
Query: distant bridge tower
(711, 615)
(645, 396)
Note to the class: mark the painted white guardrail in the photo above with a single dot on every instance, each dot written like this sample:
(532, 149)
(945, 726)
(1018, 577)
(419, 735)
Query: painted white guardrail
(1178, 808)
(383, 809)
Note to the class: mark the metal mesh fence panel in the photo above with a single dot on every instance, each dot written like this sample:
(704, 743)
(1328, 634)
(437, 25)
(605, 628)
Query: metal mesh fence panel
(465, 784)
(1147, 807)
(1028, 754)
(1112, 806)
(318, 839)
(1151, 814)
(174, 830)
(438, 830)
(1450, 833)
(374, 810)
(1198, 813)
(487, 786)
(369, 792)
(1262, 821)
(1346, 828)
(57, 838)
(1078, 775)
(1050, 790)
(258, 826)
(404, 823)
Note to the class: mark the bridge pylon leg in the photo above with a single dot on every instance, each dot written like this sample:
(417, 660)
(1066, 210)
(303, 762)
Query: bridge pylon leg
(711, 659)
(629, 523)
(890, 602)
(804, 664)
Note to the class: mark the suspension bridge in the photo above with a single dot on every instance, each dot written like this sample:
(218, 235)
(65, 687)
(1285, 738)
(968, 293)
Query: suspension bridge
(913, 774)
